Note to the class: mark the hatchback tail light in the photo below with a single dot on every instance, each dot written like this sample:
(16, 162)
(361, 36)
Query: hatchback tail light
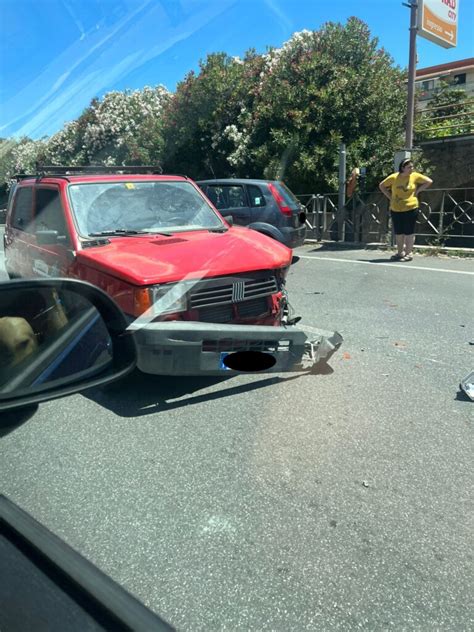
(277, 196)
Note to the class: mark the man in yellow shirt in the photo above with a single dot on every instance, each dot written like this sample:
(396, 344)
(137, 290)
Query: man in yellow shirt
(402, 189)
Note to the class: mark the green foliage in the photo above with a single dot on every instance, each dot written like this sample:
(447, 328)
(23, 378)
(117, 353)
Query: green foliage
(321, 88)
(200, 129)
(450, 113)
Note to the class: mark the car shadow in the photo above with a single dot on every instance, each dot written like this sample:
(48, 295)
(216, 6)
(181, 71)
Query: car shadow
(10, 420)
(337, 247)
(142, 394)
(380, 260)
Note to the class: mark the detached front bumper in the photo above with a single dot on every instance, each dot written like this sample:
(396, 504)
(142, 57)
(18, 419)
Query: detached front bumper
(194, 348)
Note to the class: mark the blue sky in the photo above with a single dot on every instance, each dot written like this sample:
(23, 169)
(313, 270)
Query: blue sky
(56, 55)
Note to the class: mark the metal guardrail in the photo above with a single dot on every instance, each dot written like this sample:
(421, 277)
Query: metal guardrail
(446, 218)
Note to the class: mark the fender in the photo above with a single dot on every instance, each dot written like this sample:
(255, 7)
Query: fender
(269, 230)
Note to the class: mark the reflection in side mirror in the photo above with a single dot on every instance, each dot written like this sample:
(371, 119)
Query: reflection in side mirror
(57, 337)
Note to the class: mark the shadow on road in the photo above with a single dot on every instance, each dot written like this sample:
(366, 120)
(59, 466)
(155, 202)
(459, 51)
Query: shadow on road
(10, 420)
(380, 260)
(141, 394)
(337, 247)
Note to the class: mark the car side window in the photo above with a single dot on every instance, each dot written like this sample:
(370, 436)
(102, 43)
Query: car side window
(22, 215)
(49, 214)
(217, 195)
(256, 196)
(236, 195)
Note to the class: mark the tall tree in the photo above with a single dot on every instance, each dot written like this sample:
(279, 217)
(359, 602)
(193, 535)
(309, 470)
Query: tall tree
(200, 121)
(321, 88)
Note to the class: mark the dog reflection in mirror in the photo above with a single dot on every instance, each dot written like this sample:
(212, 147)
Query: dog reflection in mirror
(17, 340)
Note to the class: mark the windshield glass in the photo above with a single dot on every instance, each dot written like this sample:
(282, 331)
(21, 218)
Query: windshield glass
(140, 206)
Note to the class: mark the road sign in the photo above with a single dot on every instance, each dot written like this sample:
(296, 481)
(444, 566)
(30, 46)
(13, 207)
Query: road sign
(438, 21)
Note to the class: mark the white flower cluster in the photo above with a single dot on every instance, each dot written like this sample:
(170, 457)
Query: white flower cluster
(241, 141)
(301, 41)
(26, 154)
(62, 146)
(120, 115)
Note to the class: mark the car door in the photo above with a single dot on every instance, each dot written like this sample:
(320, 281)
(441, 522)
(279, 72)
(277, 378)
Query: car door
(260, 210)
(230, 199)
(18, 233)
(50, 259)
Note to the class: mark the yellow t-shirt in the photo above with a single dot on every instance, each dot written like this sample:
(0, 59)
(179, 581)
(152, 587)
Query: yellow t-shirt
(403, 189)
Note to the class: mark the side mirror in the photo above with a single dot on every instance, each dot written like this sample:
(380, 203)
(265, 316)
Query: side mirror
(49, 237)
(229, 219)
(58, 337)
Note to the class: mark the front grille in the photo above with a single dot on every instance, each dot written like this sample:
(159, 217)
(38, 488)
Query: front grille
(230, 290)
(216, 314)
(256, 307)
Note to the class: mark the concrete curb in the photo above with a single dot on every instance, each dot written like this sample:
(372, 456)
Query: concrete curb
(446, 250)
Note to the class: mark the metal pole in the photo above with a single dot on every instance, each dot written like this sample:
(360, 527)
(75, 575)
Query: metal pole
(342, 192)
(411, 76)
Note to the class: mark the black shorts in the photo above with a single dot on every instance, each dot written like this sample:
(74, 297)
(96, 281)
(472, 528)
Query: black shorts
(404, 221)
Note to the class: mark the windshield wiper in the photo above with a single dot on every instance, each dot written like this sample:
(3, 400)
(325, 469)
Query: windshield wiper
(125, 231)
(117, 231)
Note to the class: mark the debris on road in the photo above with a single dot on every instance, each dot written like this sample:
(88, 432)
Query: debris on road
(467, 385)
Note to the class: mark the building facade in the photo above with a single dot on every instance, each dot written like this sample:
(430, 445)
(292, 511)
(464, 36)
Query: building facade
(430, 80)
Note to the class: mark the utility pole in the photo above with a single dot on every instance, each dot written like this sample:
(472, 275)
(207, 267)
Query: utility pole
(413, 6)
(342, 193)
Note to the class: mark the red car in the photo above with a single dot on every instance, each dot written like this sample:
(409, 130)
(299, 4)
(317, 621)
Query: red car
(159, 248)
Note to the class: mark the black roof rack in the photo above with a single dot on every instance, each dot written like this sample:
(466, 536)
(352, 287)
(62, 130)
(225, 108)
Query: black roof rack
(61, 170)
(22, 176)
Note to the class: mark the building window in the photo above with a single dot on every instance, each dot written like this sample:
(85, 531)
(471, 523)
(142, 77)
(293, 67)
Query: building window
(459, 79)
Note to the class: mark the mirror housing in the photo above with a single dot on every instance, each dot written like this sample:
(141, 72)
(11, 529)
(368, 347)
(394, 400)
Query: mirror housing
(93, 346)
(229, 219)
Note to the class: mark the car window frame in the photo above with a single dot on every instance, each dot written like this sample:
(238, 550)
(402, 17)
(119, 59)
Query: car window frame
(262, 195)
(18, 191)
(53, 187)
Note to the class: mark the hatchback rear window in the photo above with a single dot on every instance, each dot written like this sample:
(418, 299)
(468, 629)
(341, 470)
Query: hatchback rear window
(290, 198)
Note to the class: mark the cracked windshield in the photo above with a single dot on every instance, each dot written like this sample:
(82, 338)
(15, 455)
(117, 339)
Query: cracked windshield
(236, 299)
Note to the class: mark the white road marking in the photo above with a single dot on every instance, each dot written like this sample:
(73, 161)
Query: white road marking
(408, 265)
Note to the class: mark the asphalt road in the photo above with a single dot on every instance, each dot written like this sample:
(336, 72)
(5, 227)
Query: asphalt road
(340, 501)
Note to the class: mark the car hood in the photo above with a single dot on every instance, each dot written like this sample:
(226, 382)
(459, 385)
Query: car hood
(151, 259)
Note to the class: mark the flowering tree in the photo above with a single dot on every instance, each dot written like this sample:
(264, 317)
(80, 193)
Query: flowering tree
(321, 88)
(204, 122)
(122, 128)
(284, 113)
